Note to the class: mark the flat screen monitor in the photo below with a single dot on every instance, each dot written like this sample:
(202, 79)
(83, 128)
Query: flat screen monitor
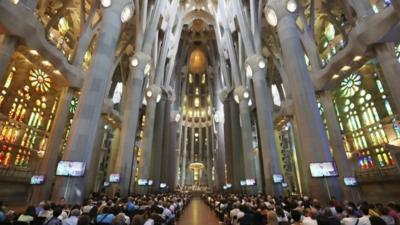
(250, 182)
(243, 183)
(278, 178)
(106, 184)
(163, 185)
(323, 169)
(142, 182)
(70, 168)
(150, 183)
(115, 178)
(284, 185)
(350, 181)
(37, 179)
(228, 185)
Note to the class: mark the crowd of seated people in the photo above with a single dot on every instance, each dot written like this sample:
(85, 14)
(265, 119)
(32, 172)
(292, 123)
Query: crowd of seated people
(162, 209)
(233, 209)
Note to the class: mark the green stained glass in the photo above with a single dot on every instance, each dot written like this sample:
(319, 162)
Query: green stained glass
(329, 32)
(397, 51)
(350, 85)
(74, 105)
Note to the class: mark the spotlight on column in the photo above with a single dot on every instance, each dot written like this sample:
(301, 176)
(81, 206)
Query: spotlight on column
(196, 134)
(134, 62)
(250, 102)
(236, 97)
(249, 71)
(177, 117)
(291, 6)
(149, 93)
(147, 69)
(246, 95)
(271, 17)
(261, 64)
(127, 13)
(158, 98)
(106, 3)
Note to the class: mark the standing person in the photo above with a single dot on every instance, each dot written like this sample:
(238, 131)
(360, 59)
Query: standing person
(46, 212)
(310, 217)
(364, 219)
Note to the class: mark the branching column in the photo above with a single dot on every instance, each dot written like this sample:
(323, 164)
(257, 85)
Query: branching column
(7, 49)
(82, 137)
(126, 161)
(311, 132)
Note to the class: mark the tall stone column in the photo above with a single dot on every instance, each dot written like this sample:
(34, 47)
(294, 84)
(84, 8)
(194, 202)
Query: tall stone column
(184, 154)
(126, 162)
(208, 157)
(391, 70)
(270, 158)
(242, 95)
(192, 132)
(153, 95)
(346, 169)
(8, 45)
(48, 164)
(160, 126)
(228, 145)
(237, 153)
(81, 141)
(384, 53)
(312, 136)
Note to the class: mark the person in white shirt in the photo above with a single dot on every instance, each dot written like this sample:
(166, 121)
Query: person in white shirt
(28, 215)
(351, 219)
(73, 219)
(310, 216)
(364, 219)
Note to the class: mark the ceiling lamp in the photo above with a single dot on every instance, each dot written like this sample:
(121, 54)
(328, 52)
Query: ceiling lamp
(134, 62)
(291, 6)
(236, 97)
(177, 117)
(271, 16)
(158, 98)
(149, 93)
(106, 3)
(246, 95)
(261, 64)
(127, 13)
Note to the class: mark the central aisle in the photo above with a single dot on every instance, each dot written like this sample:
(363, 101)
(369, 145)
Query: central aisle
(198, 213)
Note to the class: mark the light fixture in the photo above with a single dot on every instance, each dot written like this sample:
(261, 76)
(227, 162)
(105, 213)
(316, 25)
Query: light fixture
(46, 63)
(271, 17)
(15, 2)
(196, 134)
(236, 97)
(147, 69)
(261, 64)
(149, 93)
(57, 72)
(106, 3)
(249, 71)
(250, 102)
(336, 76)
(345, 68)
(127, 13)
(158, 98)
(246, 95)
(291, 6)
(357, 58)
(134, 62)
(33, 52)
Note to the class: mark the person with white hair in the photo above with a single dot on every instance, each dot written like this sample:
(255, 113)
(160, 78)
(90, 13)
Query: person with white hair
(73, 219)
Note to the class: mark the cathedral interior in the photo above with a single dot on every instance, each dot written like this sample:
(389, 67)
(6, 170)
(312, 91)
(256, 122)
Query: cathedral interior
(277, 97)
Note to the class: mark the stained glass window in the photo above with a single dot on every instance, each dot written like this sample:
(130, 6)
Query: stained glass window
(397, 51)
(40, 81)
(363, 108)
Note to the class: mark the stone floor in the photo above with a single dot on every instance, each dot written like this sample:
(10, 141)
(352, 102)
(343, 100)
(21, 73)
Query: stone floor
(198, 213)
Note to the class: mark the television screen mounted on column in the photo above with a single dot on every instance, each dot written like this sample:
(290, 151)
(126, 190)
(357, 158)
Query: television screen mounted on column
(37, 179)
(71, 168)
(278, 178)
(323, 169)
(350, 181)
(114, 178)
